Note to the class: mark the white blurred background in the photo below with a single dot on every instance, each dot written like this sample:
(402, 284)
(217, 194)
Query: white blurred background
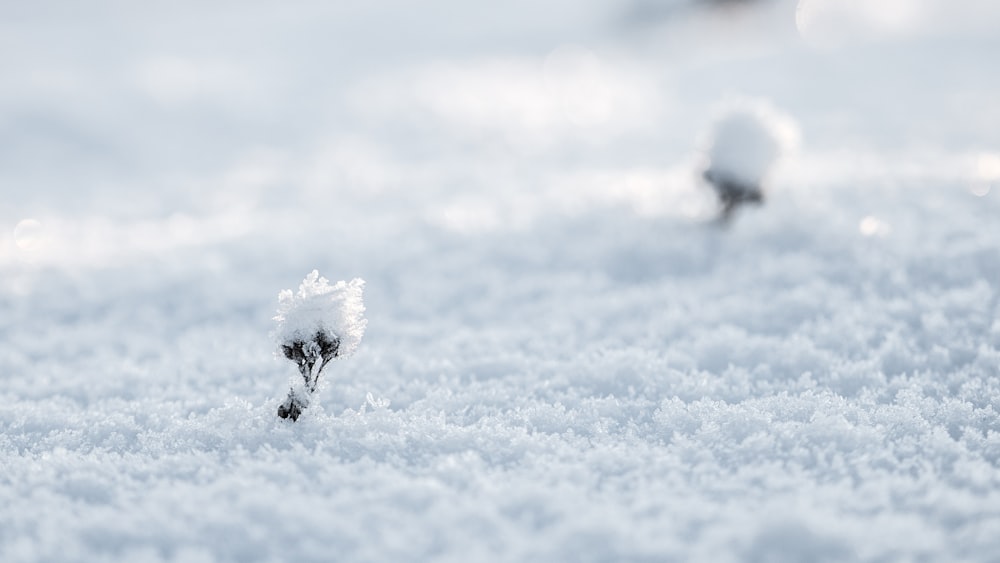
(129, 129)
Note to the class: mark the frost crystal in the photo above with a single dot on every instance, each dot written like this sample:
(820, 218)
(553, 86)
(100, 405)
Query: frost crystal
(315, 325)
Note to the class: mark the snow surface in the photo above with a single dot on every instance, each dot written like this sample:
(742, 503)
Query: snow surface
(564, 360)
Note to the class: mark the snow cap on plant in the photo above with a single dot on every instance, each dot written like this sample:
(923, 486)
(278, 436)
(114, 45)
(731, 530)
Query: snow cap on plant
(745, 142)
(335, 310)
(747, 138)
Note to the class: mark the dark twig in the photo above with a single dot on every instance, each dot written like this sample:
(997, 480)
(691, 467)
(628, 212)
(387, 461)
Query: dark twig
(306, 353)
(732, 193)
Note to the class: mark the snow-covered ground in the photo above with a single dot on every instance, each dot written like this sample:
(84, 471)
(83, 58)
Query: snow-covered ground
(565, 358)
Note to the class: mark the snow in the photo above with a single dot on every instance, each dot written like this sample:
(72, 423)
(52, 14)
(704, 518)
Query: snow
(337, 310)
(564, 359)
(747, 140)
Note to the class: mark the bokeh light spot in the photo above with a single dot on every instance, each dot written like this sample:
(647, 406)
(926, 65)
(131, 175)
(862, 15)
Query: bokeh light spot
(28, 234)
(833, 23)
(988, 167)
(872, 226)
(986, 173)
(980, 189)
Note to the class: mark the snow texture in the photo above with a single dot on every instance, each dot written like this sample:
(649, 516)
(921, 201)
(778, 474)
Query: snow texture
(565, 361)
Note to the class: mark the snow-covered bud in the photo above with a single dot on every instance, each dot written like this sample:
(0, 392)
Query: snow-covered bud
(743, 146)
(318, 323)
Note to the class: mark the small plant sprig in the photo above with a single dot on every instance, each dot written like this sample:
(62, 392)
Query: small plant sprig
(732, 192)
(318, 323)
(306, 354)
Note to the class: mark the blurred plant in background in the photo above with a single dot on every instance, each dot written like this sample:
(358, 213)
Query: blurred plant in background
(745, 143)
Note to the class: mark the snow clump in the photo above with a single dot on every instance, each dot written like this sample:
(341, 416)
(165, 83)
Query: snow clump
(743, 146)
(337, 310)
